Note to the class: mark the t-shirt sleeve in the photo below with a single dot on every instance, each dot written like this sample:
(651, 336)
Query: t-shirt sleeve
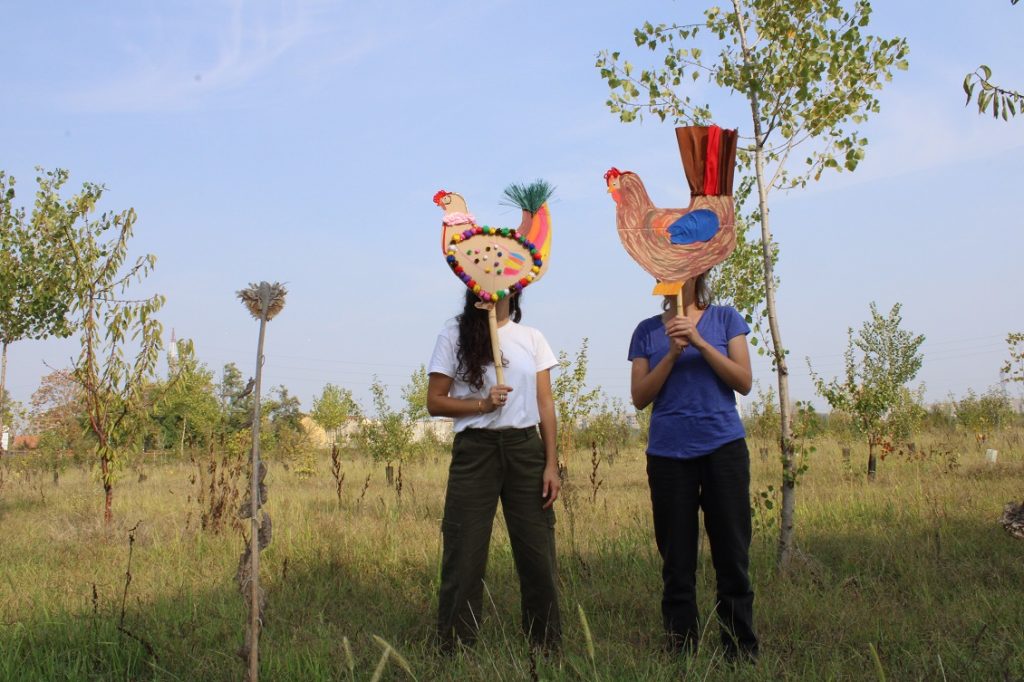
(735, 324)
(639, 345)
(543, 356)
(443, 361)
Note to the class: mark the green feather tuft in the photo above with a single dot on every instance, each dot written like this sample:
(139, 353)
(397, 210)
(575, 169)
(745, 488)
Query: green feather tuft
(528, 197)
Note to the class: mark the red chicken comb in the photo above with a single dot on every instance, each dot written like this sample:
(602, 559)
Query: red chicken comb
(612, 173)
(441, 194)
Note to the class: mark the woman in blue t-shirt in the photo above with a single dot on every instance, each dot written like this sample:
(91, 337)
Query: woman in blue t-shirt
(689, 365)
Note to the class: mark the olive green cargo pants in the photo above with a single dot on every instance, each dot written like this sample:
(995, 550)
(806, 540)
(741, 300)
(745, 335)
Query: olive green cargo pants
(487, 465)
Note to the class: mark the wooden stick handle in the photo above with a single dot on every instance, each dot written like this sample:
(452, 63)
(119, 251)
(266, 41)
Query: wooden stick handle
(680, 305)
(492, 320)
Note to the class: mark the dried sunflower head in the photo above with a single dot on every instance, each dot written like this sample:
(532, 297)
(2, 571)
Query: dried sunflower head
(263, 299)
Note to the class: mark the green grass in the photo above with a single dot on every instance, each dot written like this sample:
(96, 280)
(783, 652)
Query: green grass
(909, 577)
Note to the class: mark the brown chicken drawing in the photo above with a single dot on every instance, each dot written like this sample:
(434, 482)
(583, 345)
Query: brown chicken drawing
(676, 244)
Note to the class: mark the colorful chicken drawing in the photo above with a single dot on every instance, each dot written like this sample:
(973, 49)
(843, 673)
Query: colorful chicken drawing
(675, 244)
(494, 262)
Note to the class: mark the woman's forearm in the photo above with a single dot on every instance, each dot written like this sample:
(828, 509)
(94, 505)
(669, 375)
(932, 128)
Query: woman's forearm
(646, 383)
(446, 406)
(548, 420)
(440, 404)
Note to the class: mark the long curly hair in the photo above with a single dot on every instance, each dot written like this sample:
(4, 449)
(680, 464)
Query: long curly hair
(474, 351)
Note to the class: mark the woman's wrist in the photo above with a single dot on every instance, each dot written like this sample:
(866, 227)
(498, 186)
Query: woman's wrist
(483, 405)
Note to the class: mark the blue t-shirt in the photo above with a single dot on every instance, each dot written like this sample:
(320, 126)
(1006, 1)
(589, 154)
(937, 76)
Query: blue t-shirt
(695, 411)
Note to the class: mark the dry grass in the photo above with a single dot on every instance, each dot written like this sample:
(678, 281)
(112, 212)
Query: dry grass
(913, 567)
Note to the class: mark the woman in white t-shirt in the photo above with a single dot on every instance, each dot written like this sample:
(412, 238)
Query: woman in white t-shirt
(497, 454)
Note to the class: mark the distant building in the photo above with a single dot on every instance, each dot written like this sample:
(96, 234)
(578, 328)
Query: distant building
(438, 429)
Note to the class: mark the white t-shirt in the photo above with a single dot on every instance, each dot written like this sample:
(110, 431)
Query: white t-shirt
(525, 350)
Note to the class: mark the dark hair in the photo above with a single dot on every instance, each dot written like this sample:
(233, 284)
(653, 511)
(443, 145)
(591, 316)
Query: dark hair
(474, 351)
(701, 292)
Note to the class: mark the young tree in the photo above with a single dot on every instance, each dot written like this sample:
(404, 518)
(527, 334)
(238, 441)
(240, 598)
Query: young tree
(573, 402)
(979, 415)
(1012, 370)
(608, 426)
(807, 72)
(12, 415)
(387, 437)
(415, 395)
(874, 390)
(187, 409)
(33, 286)
(1003, 101)
(111, 326)
(333, 408)
(235, 400)
(57, 409)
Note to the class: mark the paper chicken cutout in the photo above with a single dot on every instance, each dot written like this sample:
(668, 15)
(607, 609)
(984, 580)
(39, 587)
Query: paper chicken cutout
(495, 262)
(676, 244)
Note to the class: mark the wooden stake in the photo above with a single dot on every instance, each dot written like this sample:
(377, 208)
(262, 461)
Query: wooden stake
(492, 320)
(680, 301)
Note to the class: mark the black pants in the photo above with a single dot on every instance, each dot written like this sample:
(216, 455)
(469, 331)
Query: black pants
(488, 465)
(718, 483)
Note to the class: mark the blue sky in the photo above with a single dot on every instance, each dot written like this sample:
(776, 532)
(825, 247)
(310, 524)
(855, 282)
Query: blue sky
(303, 141)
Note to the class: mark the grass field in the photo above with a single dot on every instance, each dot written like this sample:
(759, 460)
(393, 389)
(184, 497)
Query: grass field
(906, 578)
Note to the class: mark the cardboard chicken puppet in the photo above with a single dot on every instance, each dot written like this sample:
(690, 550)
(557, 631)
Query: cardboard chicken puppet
(676, 244)
(497, 262)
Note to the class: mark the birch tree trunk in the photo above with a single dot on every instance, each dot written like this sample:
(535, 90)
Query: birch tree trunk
(788, 507)
(3, 385)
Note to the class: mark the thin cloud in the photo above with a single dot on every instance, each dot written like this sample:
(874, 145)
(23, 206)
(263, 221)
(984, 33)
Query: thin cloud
(922, 131)
(246, 45)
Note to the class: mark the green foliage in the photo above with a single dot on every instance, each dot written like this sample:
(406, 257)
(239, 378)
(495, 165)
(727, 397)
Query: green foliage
(643, 422)
(415, 395)
(33, 268)
(283, 409)
(739, 280)
(529, 197)
(235, 400)
(805, 65)
(807, 425)
(111, 326)
(388, 436)
(874, 390)
(608, 426)
(33, 272)
(58, 414)
(1001, 101)
(762, 421)
(9, 410)
(573, 402)
(1012, 370)
(333, 408)
(187, 410)
(982, 414)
